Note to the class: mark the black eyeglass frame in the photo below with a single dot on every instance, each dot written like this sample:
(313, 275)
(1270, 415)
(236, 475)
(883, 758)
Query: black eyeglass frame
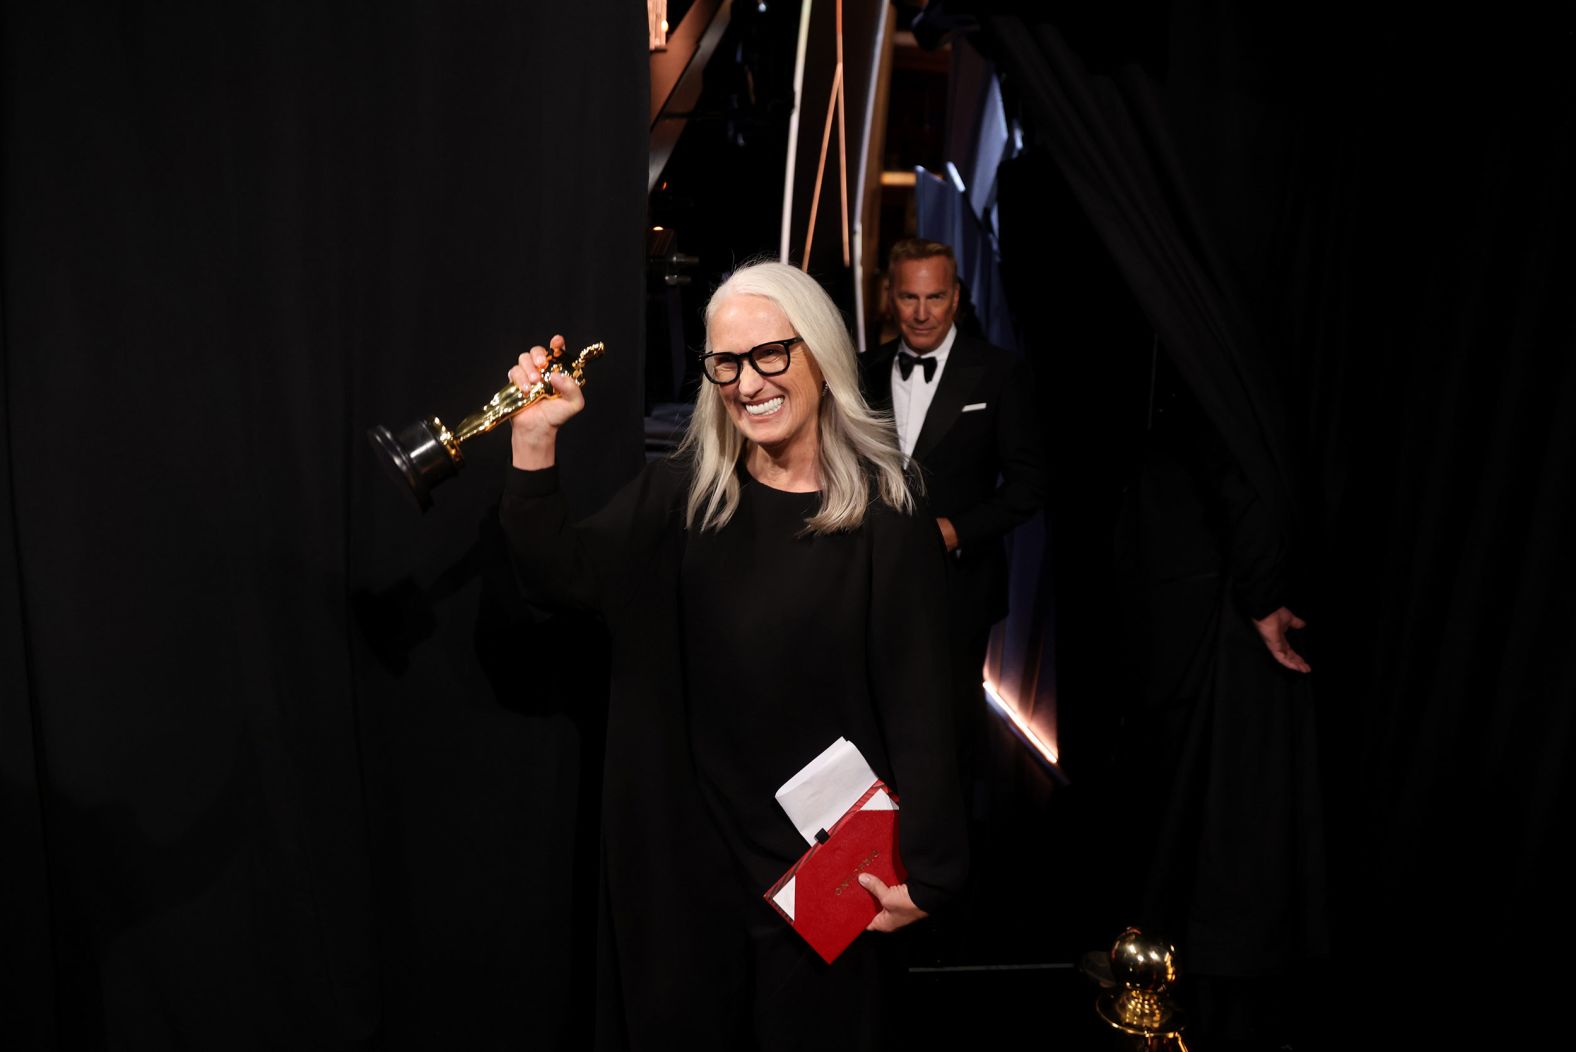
(749, 356)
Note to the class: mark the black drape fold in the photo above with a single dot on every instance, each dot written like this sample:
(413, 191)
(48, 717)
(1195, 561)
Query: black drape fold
(276, 772)
(1218, 751)
(1108, 134)
(29, 916)
(1372, 211)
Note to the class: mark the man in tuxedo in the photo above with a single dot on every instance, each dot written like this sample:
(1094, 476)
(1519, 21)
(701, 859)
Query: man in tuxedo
(966, 415)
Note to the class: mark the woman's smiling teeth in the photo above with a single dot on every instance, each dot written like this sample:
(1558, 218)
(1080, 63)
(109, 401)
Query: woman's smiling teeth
(771, 405)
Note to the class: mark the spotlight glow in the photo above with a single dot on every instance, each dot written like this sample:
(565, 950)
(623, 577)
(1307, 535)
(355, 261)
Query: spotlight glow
(956, 177)
(1027, 732)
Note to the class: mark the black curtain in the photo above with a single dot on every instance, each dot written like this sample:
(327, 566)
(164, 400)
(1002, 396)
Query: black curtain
(1350, 231)
(284, 763)
(1206, 788)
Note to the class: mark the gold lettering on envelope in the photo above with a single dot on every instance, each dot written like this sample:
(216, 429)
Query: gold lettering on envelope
(863, 864)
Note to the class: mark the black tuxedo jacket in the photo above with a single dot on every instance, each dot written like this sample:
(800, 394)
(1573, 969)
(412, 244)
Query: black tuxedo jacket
(981, 458)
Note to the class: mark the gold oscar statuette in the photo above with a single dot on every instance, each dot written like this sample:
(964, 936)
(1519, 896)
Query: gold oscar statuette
(426, 453)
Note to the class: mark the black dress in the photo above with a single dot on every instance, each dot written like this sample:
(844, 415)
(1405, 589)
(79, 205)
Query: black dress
(739, 655)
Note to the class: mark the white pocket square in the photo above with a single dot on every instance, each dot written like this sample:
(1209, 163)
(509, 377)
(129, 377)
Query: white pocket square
(973, 406)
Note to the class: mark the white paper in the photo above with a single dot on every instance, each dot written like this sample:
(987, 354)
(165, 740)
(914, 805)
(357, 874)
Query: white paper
(879, 801)
(825, 788)
(784, 897)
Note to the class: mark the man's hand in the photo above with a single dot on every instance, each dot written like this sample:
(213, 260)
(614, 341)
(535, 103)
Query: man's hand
(897, 909)
(1273, 628)
(948, 534)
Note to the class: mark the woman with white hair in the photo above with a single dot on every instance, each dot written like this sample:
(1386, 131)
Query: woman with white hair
(771, 587)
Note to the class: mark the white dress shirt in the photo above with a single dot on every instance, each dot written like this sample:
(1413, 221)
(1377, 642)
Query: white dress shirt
(911, 398)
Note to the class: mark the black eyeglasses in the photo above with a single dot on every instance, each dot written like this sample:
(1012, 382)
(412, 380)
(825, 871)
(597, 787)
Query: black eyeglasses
(767, 359)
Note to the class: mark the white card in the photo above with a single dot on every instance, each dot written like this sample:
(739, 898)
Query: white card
(825, 788)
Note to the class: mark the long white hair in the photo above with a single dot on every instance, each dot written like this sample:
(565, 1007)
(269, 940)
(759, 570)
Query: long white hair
(858, 447)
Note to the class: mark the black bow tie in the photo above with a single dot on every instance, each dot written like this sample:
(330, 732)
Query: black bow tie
(906, 363)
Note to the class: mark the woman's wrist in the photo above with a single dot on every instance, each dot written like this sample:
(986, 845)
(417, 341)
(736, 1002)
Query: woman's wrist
(537, 451)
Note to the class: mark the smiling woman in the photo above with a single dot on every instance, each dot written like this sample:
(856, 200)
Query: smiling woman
(782, 530)
(823, 437)
(776, 411)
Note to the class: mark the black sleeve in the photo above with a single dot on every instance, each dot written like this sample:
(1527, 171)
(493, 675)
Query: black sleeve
(578, 566)
(1252, 544)
(1021, 455)
(1255, 552)
(908, 661)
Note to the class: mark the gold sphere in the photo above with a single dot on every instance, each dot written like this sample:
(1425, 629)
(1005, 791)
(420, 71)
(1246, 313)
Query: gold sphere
(1143, 962)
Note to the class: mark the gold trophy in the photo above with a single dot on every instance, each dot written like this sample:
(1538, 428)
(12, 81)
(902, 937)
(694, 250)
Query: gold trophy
(427, 452)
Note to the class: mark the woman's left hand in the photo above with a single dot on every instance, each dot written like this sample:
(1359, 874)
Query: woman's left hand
(897, 909)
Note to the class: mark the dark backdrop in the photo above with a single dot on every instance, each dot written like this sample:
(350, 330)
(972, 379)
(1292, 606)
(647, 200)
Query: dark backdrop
(1366, 213)
(268, 782)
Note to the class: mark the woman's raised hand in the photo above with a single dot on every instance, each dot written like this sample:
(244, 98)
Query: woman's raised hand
(534, 431)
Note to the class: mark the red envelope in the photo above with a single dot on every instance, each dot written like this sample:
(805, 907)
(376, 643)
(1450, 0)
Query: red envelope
(821, 895)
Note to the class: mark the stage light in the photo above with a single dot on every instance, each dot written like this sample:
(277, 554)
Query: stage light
(1021, 725)
(657, 25)
(956, 177)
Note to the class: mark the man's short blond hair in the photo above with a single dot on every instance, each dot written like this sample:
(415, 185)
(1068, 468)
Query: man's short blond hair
(916, 248)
